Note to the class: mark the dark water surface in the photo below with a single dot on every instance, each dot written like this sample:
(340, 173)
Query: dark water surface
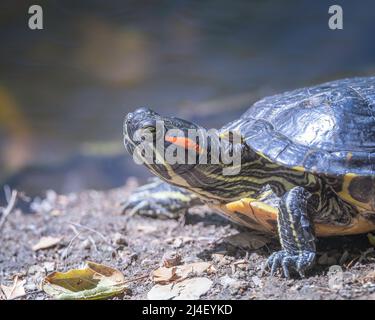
(64, 90)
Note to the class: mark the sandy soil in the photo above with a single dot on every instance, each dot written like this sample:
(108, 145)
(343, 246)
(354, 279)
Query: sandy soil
(92, 228)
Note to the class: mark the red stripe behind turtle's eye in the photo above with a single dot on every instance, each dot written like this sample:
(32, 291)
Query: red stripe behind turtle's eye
(185, 143)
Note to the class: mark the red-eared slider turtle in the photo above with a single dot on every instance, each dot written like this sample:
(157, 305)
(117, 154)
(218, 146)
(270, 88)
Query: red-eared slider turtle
(307, 168)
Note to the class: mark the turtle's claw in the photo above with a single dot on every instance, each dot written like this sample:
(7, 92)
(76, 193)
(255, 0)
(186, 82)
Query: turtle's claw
(290, 262)
(274, 261)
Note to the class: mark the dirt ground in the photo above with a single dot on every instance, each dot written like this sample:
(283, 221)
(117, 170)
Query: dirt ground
(92, 228)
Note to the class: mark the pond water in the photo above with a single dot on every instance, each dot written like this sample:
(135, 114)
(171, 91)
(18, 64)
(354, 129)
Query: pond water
(65, 90)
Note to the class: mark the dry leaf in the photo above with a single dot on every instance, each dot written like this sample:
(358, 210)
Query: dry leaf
(371, 239)
(171, 259)
(46, 242)
(196, 268)
(14, 291)
(189, 289)
(165, 275)
(248, 240)
(95, 281)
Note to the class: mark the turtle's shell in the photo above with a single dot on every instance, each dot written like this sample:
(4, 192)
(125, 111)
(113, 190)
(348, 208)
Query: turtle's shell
(327, 129)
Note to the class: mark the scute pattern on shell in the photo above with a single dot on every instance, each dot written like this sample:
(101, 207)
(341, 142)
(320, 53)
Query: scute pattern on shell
(327, 129)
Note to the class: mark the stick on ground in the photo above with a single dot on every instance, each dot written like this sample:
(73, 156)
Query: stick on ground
(9, 208)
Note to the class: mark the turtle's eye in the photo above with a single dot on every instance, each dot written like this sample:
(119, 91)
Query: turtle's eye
(148, 124)
(149, 129)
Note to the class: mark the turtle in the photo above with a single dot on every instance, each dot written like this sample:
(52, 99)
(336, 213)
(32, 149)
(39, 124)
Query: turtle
(307, 168)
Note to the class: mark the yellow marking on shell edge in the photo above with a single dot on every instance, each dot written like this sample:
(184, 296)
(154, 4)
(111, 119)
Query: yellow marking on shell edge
(259, 212)
(358, 225)
(299, 168)
(345, 193)
(225, 134)
(349, 156)
(264, 156)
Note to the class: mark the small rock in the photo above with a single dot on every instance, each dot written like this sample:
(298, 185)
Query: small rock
(190, 258)
(179, 242)
(344, 258)
(35, 269)
(240, 274)
(189, 289)
(171, 259)
(30, 287)
(297, 287)
(219, 259)
(86, 244)
(241, 264)
(119, 239)
(257, 281)
(327, 260)
(55, 212)
(147, 262)
(227, 281)
(49, 266)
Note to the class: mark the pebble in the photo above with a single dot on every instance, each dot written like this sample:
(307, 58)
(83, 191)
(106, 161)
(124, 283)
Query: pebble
(227, 281)
(49, 266)
(30, 287)
(86, 244)
(35, 269)
(119, 239)
(171, 259)
(232, 284)
(257, 281)
(327, 260)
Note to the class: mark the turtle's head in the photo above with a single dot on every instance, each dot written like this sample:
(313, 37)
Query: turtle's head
(161, 143)
(178, 151)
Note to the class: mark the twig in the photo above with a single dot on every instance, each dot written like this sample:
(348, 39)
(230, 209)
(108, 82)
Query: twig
(73, 225)
(66, 251)
(136, 278)
(14, 286)
(94, 244)
(92, 230)
(9, 208)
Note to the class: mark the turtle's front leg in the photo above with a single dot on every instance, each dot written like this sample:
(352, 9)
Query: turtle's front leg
(160, 200)
(296, 234)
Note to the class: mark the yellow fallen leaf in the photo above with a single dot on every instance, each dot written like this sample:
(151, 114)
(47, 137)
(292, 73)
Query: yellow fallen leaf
(371, 239)
(164, 275)
(14, 291)
(95, 281)
(46, 242)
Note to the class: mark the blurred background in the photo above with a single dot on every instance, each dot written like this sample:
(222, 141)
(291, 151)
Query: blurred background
(65, 90)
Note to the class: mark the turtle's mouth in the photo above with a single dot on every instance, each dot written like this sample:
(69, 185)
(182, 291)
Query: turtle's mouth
(137, 122)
